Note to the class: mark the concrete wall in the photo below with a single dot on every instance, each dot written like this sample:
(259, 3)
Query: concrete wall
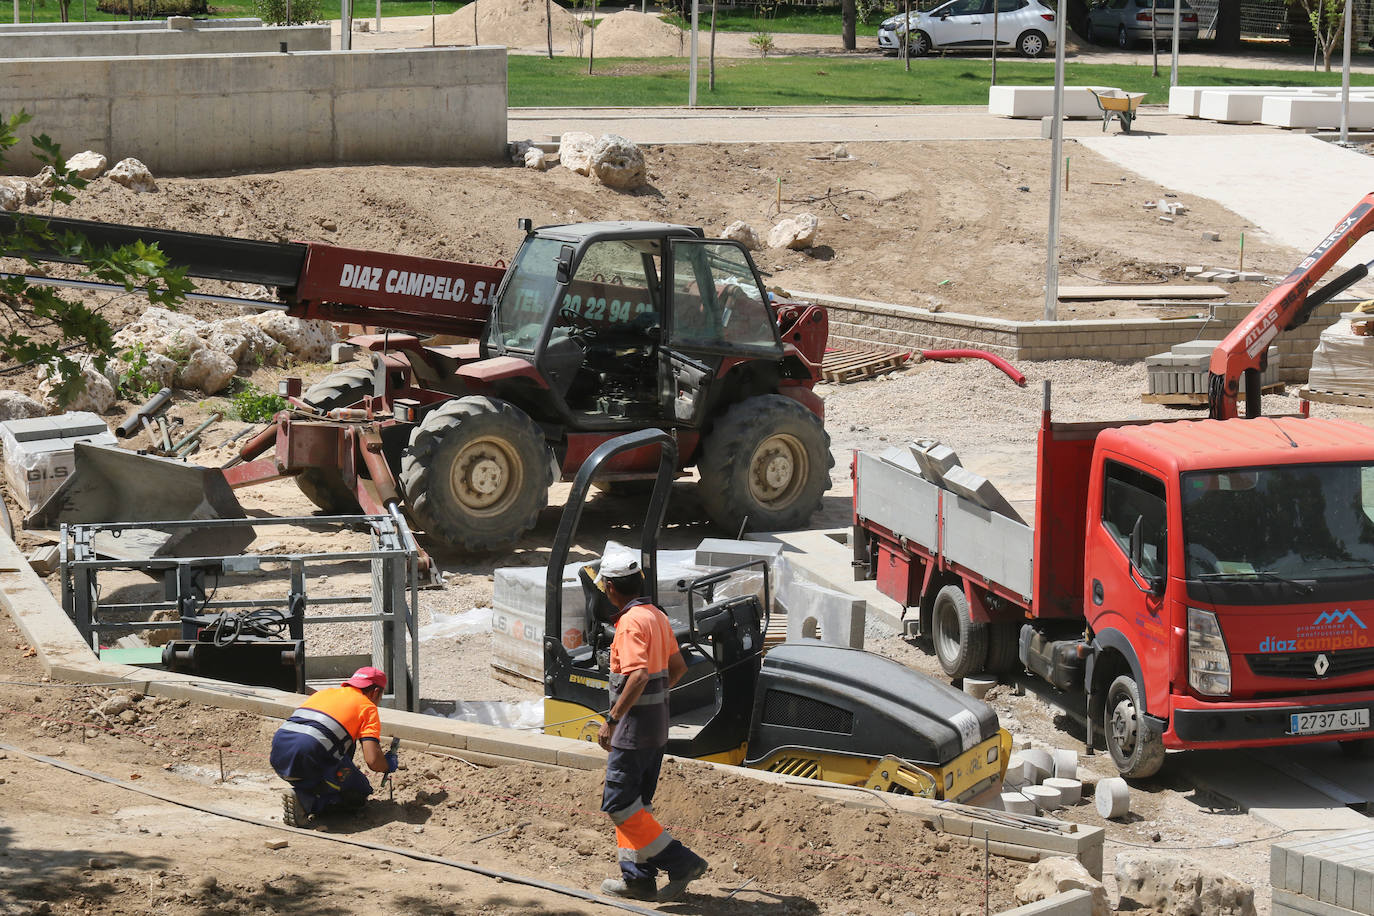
(142, 25)
(857, 322)
(194, 114)
(135, 42)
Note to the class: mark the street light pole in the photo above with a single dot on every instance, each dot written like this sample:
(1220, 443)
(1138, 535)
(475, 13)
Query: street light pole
(1056, 153)
(1173, 63)
(692, 69)
(1345, 80)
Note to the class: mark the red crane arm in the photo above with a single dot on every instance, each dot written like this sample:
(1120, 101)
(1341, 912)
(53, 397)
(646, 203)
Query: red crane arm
(1285, 308)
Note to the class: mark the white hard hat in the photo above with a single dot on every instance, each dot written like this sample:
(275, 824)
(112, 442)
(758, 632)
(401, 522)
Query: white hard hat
(619, 562)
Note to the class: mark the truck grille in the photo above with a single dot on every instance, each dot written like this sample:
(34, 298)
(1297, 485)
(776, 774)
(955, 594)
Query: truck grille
(1303, 665)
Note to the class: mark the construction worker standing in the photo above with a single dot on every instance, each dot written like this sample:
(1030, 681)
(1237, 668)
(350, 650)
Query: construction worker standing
(645, 663)
(313, 750)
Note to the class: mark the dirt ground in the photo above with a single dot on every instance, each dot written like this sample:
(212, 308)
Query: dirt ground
(956, 225)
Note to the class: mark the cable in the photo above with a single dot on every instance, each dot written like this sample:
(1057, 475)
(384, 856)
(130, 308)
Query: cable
(335, 838)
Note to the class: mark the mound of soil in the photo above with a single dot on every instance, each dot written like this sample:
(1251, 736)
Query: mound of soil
(513, 23)
(630, 33)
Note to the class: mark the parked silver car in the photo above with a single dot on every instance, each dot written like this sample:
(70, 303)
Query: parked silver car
(1025, 25)
(1130, 21)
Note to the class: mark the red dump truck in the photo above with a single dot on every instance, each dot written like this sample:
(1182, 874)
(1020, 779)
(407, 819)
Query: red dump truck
(1205, 583)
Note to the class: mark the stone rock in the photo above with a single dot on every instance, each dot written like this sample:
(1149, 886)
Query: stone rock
(1175, 886)
(88, 164)
(207, 370)
(535, 159)
(15, 405)
(133, 175)
(10, 199)
(618, 163)
(160, 330)
(46, 178)
(244, 342)
(306, 339)
(157, 371)
(575, 151)
(97, 395)
(796, 232)
(516, 150)
(742, 232)
(1059, 873)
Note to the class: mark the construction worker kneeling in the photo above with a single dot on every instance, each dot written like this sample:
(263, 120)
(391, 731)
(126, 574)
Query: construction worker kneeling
(313, 749)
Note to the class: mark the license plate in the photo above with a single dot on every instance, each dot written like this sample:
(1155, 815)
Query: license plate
(1332, 720)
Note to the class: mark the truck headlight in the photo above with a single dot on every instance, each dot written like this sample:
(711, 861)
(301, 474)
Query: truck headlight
(1209, 664)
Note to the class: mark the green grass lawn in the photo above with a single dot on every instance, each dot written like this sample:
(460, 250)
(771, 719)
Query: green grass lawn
(48, 11)
(534, 81)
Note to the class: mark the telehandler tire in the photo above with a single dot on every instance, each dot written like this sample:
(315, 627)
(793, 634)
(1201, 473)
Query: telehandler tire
(342, 389)
(1136, 749)
(476, 473)
(961, 643)
(765, 465)
(324, 486)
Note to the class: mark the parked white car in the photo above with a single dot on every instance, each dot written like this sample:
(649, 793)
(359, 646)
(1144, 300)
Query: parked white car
(1025, 25)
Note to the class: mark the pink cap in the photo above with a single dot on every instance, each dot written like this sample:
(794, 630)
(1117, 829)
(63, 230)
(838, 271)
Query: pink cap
(364, 678)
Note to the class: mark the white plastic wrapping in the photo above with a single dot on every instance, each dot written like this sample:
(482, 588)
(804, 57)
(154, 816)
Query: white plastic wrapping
(1343, 363)
(38, 452)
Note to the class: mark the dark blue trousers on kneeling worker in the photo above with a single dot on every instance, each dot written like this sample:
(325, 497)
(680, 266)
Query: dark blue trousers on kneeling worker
(321, 781)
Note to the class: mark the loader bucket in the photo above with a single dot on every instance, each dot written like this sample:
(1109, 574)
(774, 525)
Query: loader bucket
(114, 485)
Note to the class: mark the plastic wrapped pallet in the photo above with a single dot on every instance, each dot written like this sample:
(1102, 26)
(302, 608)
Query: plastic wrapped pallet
(38, 451)
(1343, 362)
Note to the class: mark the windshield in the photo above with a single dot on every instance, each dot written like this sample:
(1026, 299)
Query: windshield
(528, 292)
(1305, 532)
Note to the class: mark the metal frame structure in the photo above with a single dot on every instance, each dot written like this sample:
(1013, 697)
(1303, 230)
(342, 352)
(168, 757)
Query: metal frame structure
(394, 599)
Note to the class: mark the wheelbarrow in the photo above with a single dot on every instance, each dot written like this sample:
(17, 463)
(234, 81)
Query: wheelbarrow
(1117, 104)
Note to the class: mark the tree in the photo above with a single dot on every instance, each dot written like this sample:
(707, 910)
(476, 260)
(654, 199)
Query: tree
(45, 327)
(1328, 24)
(848, 15)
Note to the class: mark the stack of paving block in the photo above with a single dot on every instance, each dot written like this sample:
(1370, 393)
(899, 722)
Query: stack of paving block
(1183, 370)
(1329, 876)
(39, 452)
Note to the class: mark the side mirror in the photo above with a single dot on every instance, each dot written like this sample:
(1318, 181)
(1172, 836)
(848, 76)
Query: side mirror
(565, 259)
(1136, 553)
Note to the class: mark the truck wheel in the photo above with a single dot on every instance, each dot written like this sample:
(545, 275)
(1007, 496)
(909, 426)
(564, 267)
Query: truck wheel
(1004, 647)
(1136, 749)
(766, 464)
(961, 644)
(325, 488)
(342, 389)
(476, 473)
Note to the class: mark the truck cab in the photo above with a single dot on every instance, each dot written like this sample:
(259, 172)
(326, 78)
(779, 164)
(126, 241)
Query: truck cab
(1225, 584)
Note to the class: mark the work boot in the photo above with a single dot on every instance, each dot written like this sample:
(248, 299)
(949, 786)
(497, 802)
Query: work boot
(293, 813)
(676, 887)
(634, 889)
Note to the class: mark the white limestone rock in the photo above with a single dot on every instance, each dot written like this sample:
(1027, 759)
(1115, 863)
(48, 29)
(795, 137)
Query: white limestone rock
(46, 179)
(245, 343)
(535, 159)
(88, 165)
(575, 151)
(796, 232)
(207, 370)
(15, 405)
(742, 232)
(10, 199)
(516, 150)
(163, 331)
(154, 370)
(306, 339)
(1175, 886)
(96, 393)
(1058, 874)
(133, 175)
(618, 163)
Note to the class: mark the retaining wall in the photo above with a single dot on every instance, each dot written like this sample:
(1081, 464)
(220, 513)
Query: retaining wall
(143, 25)
(194, 114)
(140, 42)
(858, 322)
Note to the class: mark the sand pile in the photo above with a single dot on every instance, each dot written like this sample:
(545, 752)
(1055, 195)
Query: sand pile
(513, 23)
(630, 33)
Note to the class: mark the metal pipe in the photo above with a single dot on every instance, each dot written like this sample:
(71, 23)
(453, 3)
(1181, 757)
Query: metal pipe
(194, 434)
(152, 407)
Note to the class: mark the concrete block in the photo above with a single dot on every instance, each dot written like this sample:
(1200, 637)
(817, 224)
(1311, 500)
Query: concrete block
(1038, 101)
(1041, 761)
(342, 352)
(1251, 276)
(1313, 111)
(1070, 790)
(1211, 236)
(724, 553)
(1065, 763)
(1192, 270)
(1112, 797)
(1017, 803)
(44, 560)
(1076, 902)
(935, 460)
(819, 613)
(978, 687)
(1046, 798)
(980, 490)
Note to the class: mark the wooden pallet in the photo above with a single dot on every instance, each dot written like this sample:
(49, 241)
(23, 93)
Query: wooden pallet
(845, 365)
(1336, 397)
(1198, 398)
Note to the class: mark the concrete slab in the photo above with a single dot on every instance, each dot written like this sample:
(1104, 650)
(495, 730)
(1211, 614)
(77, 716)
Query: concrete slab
(1268, 794)
(825, 557)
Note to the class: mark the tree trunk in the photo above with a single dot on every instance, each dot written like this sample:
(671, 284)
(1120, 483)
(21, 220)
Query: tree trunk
(1228, 25)
(548, 22)
(848, 16)
(591, 51)
(711, 69)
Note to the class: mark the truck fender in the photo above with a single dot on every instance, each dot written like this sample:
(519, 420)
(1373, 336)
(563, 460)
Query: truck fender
(805, 397)
(977, 607)
(1111, 640)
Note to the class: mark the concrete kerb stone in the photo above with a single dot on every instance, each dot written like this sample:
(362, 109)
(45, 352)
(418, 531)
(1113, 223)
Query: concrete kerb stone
(1068, 903)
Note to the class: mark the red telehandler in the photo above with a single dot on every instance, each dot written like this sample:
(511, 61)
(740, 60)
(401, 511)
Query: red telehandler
(1197, 583)
(594, 330)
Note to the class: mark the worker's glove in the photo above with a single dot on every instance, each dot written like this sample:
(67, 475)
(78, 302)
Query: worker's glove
(393, 761)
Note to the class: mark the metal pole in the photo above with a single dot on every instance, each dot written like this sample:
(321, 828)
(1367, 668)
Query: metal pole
(379, 15)
(16, 12)
(1345, 79)
(996, 8)
(1154, 37)
(288, 12)
(1173, 63)
(346, 25)
(692, 69)
(1056, 154)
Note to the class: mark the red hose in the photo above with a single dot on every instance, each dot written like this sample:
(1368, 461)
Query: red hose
(1012, 372)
